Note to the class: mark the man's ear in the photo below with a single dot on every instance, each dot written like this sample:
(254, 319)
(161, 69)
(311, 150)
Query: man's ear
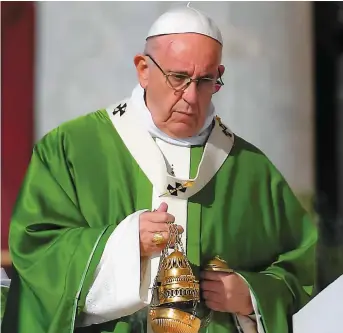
(142, 69)
(221, 70)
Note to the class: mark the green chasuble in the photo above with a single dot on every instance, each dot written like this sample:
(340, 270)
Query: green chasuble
(82, 181)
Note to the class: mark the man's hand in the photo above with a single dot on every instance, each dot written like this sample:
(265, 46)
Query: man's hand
(226, 292)
(149, 224)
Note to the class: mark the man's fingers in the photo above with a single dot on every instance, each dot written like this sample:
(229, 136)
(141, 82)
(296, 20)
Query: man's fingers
(211, 296)
(158, 227)
(161, 217)
(180, 229)
(212, 286)
(162, 208)
(215, 306)
(213, 276)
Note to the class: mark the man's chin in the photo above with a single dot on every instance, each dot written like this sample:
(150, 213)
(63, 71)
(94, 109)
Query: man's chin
(182, 131)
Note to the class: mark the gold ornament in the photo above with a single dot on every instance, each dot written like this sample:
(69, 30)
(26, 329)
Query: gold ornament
(157, 238)
(218, 264)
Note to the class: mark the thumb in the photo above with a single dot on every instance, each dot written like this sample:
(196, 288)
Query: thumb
(163, 207)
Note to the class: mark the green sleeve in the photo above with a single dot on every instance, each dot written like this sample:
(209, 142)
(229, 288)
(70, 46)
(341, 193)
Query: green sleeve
(286, 285)
(54, 249)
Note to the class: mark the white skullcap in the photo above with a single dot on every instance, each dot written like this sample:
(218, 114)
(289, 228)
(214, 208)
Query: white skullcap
(185, 20)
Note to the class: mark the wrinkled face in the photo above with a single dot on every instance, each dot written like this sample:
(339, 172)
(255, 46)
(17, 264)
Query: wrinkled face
(179, 114)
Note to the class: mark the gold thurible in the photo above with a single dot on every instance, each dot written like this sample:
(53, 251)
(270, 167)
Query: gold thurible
(175, 293)
(175, 304)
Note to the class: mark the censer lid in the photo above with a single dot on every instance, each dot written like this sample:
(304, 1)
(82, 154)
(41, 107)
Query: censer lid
(175, 264)
(177, 281)
(176, 254)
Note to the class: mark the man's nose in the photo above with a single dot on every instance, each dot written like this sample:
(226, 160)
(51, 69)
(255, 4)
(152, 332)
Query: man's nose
(190, 94)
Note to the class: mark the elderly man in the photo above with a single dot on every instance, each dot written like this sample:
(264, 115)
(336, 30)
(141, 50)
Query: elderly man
(92, 216)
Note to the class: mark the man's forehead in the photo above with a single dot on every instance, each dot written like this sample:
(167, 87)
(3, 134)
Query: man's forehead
(187, 43)
(186, 39)
(178, 52)
(190, 66)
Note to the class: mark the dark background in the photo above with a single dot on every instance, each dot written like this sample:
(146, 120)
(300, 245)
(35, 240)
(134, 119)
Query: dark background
(328, 48)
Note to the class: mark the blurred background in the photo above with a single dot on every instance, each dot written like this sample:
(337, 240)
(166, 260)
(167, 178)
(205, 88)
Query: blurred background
(283, 88)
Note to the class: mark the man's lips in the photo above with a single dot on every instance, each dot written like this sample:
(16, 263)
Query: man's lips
(190, 114)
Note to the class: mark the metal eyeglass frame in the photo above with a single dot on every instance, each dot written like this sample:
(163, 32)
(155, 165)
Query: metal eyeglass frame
(218, 81)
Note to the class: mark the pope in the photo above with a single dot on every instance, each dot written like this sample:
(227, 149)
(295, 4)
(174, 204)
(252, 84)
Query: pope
(100, 191)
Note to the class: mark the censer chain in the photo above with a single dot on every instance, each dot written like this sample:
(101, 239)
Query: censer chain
(173, 233)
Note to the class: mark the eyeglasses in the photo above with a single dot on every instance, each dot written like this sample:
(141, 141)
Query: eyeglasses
(180, 82)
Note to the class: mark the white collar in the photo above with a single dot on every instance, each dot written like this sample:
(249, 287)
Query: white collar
(137, 99)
